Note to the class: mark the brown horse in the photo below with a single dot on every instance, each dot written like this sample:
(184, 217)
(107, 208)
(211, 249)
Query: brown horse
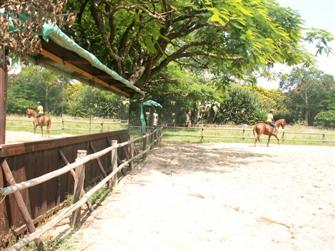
(41, 121)
(264, 128)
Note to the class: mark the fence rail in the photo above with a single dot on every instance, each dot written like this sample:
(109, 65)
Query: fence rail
(79, 196)
(245, 133)
(64, 124)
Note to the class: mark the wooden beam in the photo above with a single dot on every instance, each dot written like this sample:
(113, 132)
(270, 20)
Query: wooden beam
(77, 61)
(3, 94)
(19, 201)
(68, 211)
(87, 75)
(74, 176)
(45, 177)
(42, 145)
(78, 187)
(101, 167)
(67, 163)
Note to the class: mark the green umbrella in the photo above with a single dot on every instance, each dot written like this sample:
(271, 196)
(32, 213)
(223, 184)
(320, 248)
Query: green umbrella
(147, 103)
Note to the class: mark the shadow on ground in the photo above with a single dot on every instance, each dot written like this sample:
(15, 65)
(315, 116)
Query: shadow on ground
(183, 158)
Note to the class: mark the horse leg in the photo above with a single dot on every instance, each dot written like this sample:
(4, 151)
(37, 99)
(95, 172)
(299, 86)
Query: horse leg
(42, 130)
(268, 140)
(259, 139)
(34, 124)
(276, 138)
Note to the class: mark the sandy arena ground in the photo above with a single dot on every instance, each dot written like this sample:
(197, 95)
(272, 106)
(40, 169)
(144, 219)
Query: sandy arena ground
(219, 197)
(16, 137)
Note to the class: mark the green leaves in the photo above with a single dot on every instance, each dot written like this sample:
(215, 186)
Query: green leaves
(309, 91)
(230, 38)
(320, 38)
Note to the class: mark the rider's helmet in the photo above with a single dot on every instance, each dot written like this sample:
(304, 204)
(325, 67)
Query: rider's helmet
(38, 102)
(271, 110)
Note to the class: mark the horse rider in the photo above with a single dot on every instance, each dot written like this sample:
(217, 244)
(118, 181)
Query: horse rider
(270, 120)
(40, 110)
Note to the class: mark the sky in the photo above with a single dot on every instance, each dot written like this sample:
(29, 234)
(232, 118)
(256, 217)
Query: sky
(317, 14)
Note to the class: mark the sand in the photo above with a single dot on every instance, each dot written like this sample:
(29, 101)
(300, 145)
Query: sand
(219, 196)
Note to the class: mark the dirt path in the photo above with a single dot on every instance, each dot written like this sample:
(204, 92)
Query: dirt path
(219, 197)
(18, 137)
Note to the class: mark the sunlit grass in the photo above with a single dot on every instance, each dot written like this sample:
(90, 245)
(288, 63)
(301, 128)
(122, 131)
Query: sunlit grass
(239, 134)
(66, 124)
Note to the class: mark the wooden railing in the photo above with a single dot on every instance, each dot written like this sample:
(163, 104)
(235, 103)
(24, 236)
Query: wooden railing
(79, 196)
(61, 125)
(245, 134)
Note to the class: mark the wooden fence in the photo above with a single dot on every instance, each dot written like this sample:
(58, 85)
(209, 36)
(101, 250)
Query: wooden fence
(245, 134)
(60, 125)
(108, 166)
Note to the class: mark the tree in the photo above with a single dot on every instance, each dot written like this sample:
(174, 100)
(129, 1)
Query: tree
(242, 106)
(84, 101)
(232, 39)
(21, 23)
(184, 96)
(34, 84)
(271, 99)
(307, 90)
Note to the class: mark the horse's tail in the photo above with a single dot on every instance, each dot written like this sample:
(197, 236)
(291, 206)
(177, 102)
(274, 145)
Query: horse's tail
(254, 130)
(49, 123)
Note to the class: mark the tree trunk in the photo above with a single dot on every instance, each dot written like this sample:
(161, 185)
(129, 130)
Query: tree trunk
(306, 110)
(188, 118)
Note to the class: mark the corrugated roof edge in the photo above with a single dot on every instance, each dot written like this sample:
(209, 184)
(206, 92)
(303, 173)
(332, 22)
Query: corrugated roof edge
(53, 32)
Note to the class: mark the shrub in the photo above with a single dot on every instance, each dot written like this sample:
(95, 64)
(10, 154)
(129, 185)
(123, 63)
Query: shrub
(325, 119)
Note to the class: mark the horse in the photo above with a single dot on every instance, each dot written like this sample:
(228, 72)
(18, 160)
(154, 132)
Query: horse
(41, 121)
(264, 128)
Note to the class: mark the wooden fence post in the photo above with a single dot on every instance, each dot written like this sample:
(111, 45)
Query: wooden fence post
(102, 126)
(243, 134)
(145, 142)
(20, 202)
(90, 124)
(202, 135)
(114, 162)
(131, 148)
(78, 187)
(63, 127)
(323, 138)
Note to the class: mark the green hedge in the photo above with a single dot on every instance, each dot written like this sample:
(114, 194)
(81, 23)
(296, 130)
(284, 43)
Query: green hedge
(325, 119)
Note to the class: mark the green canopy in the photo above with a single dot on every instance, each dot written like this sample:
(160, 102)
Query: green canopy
(142, 119)
(65, 45)
(152, 103)
(52, 32)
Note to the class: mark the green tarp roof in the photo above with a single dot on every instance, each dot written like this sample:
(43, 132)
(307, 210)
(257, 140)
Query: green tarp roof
(52, 32)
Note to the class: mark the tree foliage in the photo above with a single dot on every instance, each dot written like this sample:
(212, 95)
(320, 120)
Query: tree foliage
(84, 101)
(309, 91)
(34, 84)
(325, 118)
(242, 106)
(270, 99)
(229, 38)
(21, 22)
(183, 93)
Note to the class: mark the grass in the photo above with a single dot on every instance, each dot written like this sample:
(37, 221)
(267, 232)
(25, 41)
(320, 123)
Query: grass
(296, 134)
(238, 134)
(66, 124)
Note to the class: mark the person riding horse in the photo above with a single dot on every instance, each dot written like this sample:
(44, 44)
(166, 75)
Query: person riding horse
(40, 110)
(270, 120)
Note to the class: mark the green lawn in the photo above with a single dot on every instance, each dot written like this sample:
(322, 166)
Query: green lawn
(296, 134)
(292, 135)
(67, 124)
